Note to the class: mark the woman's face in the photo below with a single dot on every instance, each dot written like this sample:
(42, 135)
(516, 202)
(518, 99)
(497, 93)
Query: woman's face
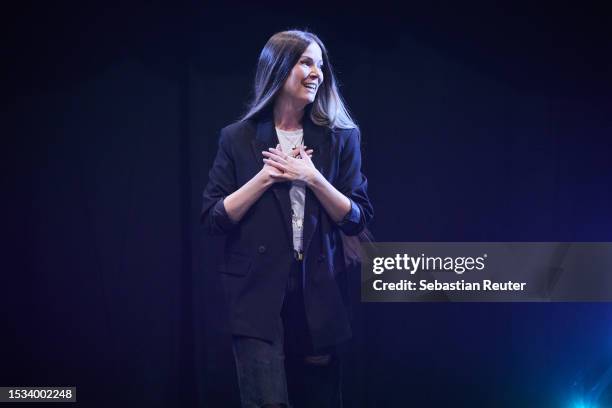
(306, 76)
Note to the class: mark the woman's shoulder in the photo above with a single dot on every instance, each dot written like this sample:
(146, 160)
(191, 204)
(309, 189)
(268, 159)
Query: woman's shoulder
(344, 135)
(239, 132)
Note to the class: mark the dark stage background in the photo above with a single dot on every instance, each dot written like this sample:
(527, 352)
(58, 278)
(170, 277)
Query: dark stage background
(488, 123)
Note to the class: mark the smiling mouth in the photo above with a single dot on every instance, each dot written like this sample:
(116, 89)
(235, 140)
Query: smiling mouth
(311, 87)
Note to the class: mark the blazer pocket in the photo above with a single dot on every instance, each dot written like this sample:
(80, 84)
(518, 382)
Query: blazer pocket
(237, 265)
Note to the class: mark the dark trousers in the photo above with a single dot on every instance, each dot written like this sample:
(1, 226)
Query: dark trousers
(276, 372)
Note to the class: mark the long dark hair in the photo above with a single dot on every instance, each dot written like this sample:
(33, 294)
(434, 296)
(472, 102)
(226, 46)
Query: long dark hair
(277, 59)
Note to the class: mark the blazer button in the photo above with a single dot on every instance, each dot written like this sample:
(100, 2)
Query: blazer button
(261, 249)
(321, 258)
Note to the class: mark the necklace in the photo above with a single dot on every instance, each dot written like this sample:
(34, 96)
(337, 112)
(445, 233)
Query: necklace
(295, 145)
(292, 137)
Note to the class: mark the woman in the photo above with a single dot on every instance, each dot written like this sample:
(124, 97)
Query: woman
(285, 183)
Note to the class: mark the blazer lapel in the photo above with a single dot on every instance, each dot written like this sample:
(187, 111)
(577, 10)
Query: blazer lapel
(265, 138)
(316, 138)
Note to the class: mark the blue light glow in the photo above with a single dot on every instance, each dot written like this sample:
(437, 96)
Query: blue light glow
(577, 404)
(580, 403)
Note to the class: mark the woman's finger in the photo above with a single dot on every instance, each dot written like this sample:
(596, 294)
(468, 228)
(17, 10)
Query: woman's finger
(280, 176)
(274, 157)
(275, 164)
(303, 153)
(296, 152)
(278, 152)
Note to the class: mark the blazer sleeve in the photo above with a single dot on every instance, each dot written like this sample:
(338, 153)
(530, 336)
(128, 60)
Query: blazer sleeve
(353, 184)
(221, 183)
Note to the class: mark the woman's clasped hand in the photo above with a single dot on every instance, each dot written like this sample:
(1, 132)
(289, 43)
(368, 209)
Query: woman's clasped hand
(295, 167)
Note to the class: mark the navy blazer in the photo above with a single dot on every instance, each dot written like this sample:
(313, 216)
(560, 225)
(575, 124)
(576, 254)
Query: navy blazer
(259, 248)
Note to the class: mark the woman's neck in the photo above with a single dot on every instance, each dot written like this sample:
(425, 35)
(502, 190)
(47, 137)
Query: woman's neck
(287, 116)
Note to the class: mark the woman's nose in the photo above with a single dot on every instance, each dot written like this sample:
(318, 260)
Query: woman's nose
(315, 72)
